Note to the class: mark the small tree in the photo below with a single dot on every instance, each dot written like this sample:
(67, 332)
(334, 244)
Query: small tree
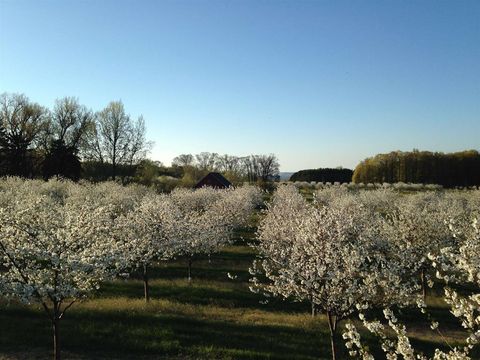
(55, 249)
(414, 227)
(147, 234)
(316, 253)
(207, 217)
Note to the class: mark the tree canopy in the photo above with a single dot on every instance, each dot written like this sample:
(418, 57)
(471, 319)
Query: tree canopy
(39, 142)
(447, 169)
(340, 175)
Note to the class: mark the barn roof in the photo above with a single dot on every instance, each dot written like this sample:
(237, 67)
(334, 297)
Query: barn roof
(215, 180)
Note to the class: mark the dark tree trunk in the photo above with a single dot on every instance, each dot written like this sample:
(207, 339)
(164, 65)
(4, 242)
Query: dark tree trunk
(314, 310)
(332, 324)
(56, 337)
(424, 287)
(189, 269)
(114, 157)
(146, 287)
(114, 170)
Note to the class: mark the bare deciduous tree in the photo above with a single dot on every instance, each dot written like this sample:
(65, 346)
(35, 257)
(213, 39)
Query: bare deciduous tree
(261, 167)
(268, 167)
(183, 160)
(207, 161)
(22, 122)
(229, 163)
(117, 139)
(70, 121)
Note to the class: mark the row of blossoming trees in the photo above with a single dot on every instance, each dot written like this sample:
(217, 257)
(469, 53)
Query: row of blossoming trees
(59, 241)
(348, 251)
(351, 251)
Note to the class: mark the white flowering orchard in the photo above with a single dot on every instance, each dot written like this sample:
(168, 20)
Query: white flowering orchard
(60, 240)
(206, 218)
(455, 265)
(349, 250)
(317, 252)
(147, 234)
(55, 246)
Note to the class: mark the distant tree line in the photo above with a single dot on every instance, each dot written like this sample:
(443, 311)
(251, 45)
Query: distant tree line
(237, 169)
(340, 175)
(457, 169)
(72, 141)
(39, 142)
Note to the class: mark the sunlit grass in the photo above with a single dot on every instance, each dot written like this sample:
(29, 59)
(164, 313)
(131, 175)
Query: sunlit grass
(205, 312)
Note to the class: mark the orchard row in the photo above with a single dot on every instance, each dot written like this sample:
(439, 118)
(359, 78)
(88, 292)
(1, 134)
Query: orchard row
(352, 251)
(348, 251)
(60, 240)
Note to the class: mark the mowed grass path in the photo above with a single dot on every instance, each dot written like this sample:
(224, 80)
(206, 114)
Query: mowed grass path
(212, 317)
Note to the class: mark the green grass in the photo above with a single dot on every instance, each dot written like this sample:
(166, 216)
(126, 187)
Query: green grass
(211, 317)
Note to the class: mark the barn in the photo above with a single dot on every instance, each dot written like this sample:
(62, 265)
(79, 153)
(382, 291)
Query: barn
(215, 180)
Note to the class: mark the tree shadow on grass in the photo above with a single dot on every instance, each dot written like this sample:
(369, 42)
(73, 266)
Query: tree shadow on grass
(196, 294)
(203, 289)
(124, 334)
(204, 267)
(210, 271)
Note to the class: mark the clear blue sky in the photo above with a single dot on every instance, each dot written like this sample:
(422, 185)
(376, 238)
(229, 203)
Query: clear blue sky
(319, 83)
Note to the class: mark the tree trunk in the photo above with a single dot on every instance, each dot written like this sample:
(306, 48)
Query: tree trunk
(332, 324)
(56, 338)
(146, 287)
(114, 157)
(114, 170)
(424, 288)
(189, 269)
(314, 312)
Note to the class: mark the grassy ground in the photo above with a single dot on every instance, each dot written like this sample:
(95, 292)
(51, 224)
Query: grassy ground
(213, 317)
